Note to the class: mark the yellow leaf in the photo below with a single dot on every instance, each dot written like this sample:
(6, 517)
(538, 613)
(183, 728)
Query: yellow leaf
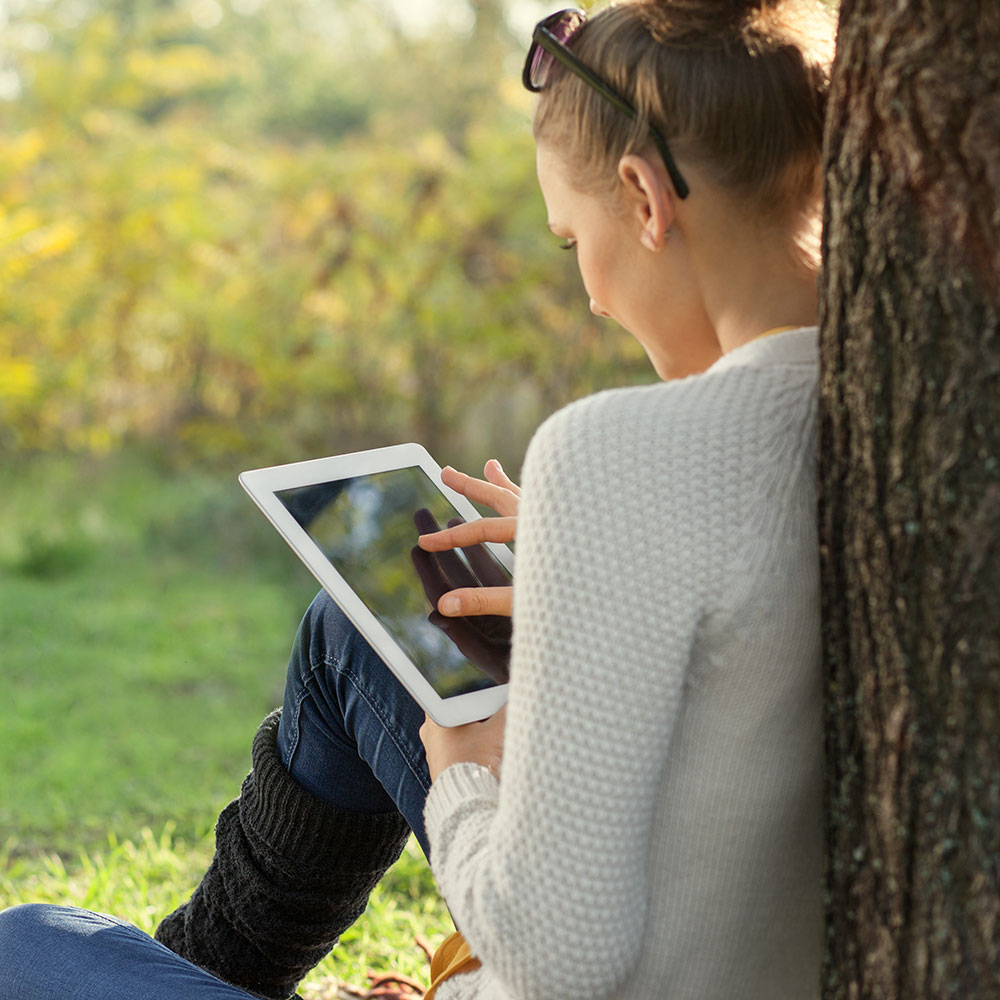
(50, 241)
(15, 224)
(24, 149)
(327, 305)
(98, 122)
(178, 69)
(18, 379)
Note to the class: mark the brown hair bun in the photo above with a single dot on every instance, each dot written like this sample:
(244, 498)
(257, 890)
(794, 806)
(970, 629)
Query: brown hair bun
(701, 21)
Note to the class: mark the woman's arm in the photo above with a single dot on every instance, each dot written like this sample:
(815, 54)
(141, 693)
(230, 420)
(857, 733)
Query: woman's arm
(545, 872)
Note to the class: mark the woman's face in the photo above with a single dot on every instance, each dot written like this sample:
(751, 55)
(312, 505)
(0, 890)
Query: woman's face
(642, 290)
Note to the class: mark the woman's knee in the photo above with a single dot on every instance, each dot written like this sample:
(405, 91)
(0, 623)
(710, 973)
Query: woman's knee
(28, 922)
(63, 951)
(30, 934)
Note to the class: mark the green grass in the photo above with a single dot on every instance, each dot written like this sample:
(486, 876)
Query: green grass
(143, 878)
(145, 621)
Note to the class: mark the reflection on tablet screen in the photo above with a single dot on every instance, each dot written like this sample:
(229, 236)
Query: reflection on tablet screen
(367, 527)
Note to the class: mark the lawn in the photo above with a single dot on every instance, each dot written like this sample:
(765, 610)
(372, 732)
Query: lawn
(145, 620)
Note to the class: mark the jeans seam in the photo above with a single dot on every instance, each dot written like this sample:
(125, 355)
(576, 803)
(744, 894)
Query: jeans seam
(345, 671)
(292, 744)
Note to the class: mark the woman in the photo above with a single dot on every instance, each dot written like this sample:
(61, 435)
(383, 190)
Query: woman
(657, 828)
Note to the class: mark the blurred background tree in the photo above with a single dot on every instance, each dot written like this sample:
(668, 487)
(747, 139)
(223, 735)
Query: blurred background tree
(265, 230)
(235, 233)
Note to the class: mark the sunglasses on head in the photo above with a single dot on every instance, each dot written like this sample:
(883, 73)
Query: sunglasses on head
(550, 45)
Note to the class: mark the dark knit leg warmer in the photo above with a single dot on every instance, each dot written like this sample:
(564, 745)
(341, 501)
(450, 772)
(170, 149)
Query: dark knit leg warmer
(290, 873)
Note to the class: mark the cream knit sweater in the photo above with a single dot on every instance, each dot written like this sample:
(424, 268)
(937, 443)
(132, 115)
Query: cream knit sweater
(657, 830)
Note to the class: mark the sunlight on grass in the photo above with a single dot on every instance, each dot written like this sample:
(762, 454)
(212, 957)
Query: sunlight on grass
(142, 880)
(145, 622)
(138, 880)
(139, 661)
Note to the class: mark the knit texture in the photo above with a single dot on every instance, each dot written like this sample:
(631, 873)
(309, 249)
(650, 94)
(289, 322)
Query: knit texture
(290, 873)
(657, 828)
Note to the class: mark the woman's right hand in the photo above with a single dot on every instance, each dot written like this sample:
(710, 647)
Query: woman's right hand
(499, 493)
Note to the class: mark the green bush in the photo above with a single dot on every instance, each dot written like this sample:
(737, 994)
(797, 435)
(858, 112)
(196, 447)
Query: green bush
(277, 236)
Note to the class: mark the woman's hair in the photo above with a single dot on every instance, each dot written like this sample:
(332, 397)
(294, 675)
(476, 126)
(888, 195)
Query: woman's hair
(737, 87)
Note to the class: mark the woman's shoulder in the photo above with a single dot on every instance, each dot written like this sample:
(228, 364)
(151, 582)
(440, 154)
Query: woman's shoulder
(713, 404)
(627, 439)
(711, 425)
(623, 404)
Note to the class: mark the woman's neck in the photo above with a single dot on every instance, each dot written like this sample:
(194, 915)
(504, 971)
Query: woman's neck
(752, 279)
(769, 305)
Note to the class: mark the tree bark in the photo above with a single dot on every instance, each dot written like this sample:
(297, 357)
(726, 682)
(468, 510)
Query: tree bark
(910, 501)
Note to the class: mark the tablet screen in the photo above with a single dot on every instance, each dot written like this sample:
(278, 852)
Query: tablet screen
(367, 527)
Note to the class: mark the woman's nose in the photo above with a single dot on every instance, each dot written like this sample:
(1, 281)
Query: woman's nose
(597, 310)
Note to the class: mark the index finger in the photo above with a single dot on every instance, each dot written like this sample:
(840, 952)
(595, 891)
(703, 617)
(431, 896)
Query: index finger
(484, 529)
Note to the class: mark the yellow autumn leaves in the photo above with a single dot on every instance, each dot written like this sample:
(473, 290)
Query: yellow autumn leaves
(276, 236)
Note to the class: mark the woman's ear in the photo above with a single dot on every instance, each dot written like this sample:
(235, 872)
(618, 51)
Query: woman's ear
(649, 198)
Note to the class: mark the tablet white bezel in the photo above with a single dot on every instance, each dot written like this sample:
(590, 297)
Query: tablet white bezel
(263, 484)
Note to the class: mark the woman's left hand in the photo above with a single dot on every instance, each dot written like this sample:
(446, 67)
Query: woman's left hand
(476, 742)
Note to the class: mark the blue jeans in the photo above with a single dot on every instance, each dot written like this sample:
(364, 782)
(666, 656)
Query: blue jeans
(349, 730)
(348, 733)
(49, 952)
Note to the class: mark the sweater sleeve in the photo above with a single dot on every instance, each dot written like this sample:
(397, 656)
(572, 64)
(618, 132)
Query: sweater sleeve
(545, 871)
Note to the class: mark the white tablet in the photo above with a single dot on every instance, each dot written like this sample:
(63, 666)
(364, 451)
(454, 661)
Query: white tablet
(354, 521)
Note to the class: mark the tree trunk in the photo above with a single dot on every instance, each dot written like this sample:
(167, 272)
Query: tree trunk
(910, 502)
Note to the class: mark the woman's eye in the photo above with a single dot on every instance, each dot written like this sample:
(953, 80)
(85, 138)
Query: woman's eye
(568, 245)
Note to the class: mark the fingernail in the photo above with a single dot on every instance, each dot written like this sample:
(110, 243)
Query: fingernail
(450, 606)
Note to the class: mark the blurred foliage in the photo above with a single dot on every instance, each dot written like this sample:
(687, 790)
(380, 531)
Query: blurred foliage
(277, 228)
